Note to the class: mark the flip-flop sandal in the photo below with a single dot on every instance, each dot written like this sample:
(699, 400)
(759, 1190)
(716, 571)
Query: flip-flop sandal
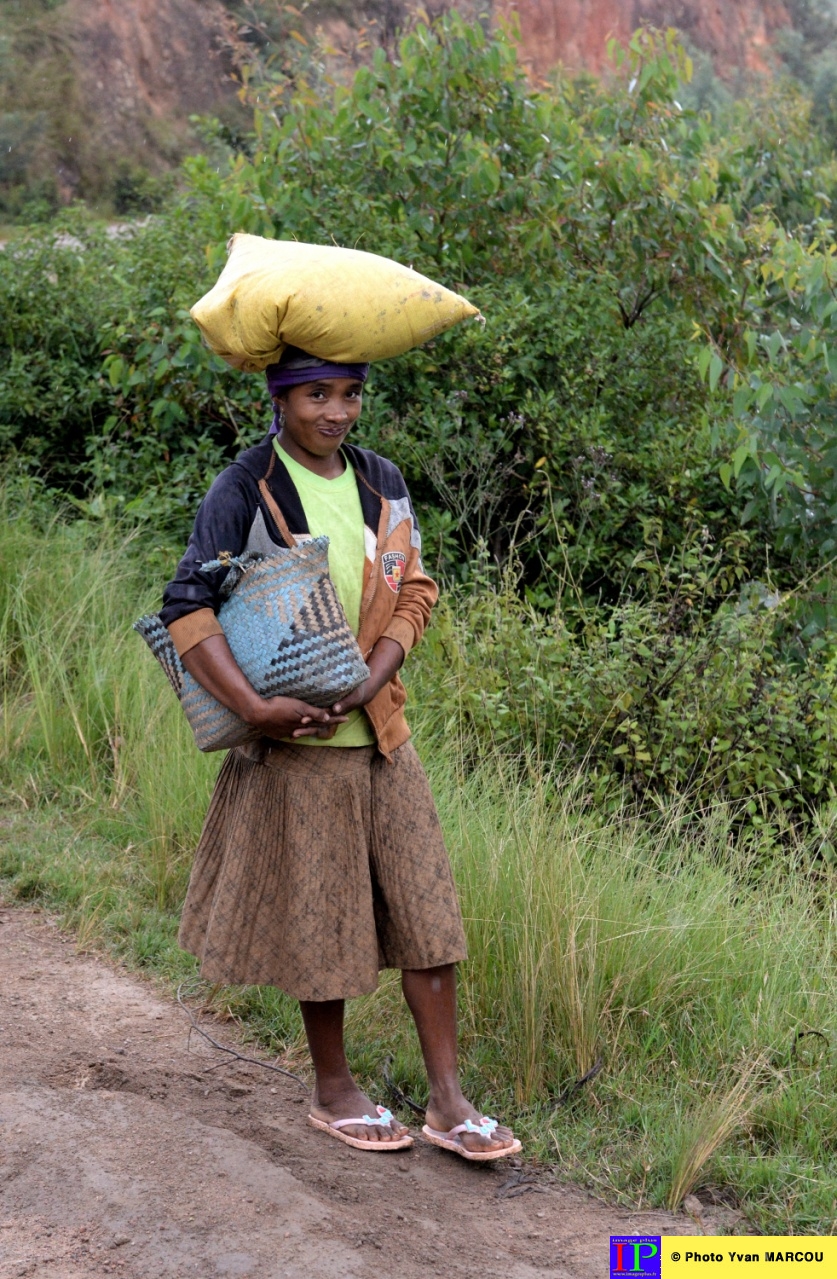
(359, 1143)
(485, 1128)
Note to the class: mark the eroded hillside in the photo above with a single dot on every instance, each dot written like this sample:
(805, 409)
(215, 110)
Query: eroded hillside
(96, 95)
(575, 32)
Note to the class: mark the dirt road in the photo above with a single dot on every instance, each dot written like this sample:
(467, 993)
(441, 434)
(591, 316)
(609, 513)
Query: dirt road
(122, 1153)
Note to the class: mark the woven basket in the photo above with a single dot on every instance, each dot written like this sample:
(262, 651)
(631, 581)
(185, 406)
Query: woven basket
(287, 631)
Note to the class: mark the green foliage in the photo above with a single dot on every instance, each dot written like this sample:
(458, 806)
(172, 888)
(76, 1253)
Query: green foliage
(55, 287)
(70, 294)
(770, 155)
(808, 51)
(587, 225)
(815, 21)
(135, 190)
(783, 378)
(583, 222)
(595, 227)
(684, 694)
(176, 416)
(445, 158)
(557, 427)
(706, 689)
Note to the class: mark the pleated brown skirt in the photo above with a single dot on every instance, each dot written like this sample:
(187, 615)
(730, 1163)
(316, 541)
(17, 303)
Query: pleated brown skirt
(317, 866)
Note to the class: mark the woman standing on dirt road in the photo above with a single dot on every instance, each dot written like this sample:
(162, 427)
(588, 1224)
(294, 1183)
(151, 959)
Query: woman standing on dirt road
(321, 858)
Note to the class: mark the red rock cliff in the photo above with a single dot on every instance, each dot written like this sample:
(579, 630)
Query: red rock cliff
(118, 79)
(575, 32)
(144, 65)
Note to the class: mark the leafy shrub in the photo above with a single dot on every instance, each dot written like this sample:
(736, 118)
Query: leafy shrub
(55, 288)
(135, 190)
(594, 225)
(556, 426)
(574, 416)
(783, 378)
(599, 228)
(662, 694)
(63, 291)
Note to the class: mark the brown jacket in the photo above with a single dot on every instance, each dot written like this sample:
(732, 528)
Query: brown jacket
(253, 505)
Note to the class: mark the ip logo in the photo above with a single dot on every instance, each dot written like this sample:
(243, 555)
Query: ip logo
(635, 1257)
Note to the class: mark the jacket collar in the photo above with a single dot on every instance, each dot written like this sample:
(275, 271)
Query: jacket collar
(263, 463)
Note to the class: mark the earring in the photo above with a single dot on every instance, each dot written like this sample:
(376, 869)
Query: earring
(280, 418)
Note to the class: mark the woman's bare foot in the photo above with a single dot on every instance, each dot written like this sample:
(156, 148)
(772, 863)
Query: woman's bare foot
(348, 1102)
(444, 1114)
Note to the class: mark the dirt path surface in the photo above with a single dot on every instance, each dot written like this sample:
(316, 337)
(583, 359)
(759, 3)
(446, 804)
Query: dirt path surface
(122, 1153)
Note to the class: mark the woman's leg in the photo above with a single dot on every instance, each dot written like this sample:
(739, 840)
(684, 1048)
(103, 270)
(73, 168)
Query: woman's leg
(431, 997)
(336, 1095)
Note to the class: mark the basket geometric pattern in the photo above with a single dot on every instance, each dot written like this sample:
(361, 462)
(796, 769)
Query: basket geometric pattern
(287, 631)
(215, 727)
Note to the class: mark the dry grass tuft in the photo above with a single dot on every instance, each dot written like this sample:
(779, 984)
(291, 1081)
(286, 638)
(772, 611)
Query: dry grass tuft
(709, 1125)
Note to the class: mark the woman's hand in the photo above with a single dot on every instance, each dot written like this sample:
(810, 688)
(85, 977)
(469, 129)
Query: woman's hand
(385, 659)
(289, 717)
(212, 664)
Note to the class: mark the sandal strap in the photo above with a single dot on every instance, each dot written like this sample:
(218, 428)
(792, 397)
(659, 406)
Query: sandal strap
(485, 1127)
(383, 1120)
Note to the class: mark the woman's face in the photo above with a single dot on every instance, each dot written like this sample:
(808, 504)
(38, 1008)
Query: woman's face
(319, 415)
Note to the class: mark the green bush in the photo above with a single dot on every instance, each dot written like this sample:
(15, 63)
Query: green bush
(698, 691)
(600, 229)
(135, 190)
(557, 428)
(55, 288)
(68, 292)
(574, 416)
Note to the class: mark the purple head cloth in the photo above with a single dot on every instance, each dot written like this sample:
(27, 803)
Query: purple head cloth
(297, 367)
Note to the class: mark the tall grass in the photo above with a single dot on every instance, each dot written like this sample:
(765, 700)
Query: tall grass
(85, 714)
(664, 952)
(676, 964)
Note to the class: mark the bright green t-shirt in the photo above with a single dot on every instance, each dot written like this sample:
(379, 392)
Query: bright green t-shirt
(332, 507)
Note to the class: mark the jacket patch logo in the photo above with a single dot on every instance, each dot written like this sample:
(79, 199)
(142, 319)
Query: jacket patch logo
(393, 564)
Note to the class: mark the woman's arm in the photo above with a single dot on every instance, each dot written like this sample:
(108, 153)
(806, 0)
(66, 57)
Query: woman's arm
(212, 664)
(385, 659)
(223, 523)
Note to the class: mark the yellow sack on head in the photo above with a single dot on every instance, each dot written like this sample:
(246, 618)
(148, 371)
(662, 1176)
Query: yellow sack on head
(341, 305)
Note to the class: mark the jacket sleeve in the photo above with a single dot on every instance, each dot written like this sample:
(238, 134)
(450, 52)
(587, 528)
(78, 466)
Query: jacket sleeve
(192, 599)
(416, 598)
